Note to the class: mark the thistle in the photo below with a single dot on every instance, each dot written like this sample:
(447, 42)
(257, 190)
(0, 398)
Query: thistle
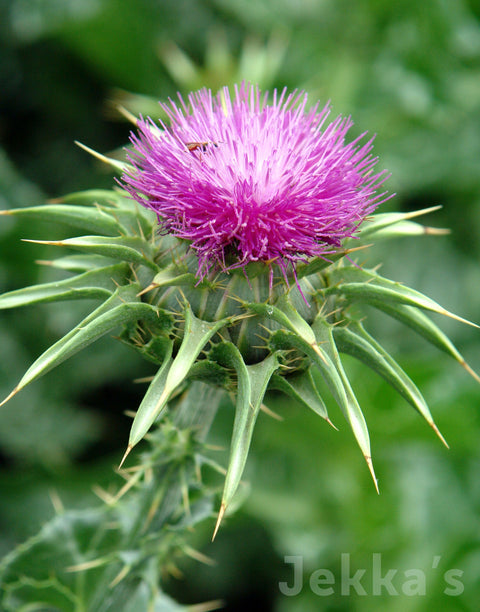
(226, 255)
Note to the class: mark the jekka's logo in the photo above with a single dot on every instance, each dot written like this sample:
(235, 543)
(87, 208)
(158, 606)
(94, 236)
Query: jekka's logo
(410, 582)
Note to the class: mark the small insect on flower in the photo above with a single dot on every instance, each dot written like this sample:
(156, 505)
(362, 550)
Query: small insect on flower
(202, 146)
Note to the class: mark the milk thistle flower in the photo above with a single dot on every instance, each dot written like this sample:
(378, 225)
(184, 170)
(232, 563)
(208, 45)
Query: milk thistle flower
(263, 182)
(238, 197)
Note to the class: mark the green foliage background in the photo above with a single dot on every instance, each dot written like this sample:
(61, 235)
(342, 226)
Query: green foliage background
(407, 71)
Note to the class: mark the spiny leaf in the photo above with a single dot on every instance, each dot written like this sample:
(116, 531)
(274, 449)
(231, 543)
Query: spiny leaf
(81, 217)
(317, 264)
(339, 384)
(423, 325)
(302, 388)
(78, 263)
(407, 228)
(93, 284)
(172, 276)
(114, 201)
(101, 197)
(363, 285)
(114, 163)
(125, 248)
(354, 340)
(285, 314)
(121, 308)
(252, 384)
(381, 221)
(195, 336)
(150, 406)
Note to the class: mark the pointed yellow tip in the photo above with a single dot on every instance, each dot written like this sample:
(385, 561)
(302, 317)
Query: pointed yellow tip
(436, 231)
(316, 348)
(207, 606)
(126, 114)
(120, 576)
(457, 318)
(221, 512)
(422, 211)
(470, 370)
(127, 452)
(372, 472)
(331, 424)
(147, 289)
(103, 158)
(437, 431)
(6, 212)
(271, 413)
(50, 242)
(9, 397)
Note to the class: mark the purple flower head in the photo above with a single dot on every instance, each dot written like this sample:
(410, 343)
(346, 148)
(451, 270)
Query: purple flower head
(244, 180)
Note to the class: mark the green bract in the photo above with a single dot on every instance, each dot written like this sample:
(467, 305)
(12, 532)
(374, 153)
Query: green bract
(243, 333)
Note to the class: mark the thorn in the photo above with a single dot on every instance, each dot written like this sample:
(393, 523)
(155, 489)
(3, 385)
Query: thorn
(127, 114)
(330, 423)
(107, 160)
(423, 211)
(221, 512)
(51, 242)
(446, 313)
(9, 397)
(56, 501)
(80, 567)
(372, 472)
(120, 576)
(436, 231)
(198, 556)
(271, 413)
(147, 289)
(437, 431)
(316, 348)
(103, 495)
(127, 452)
(465, 365)
(357, 248)
(138, 381)
(207, 606)
(6, 212)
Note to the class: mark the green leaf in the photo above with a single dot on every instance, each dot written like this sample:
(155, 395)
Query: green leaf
(172, 276)
(121, 308)
(78, 263)
(302, 388)
(357, 284)
(375, 224)
(318, 263)
(100, 197)
(354, 340)
(285, 314)
(252, 384)
(117, 203)
(99, 283)
(195, 336)
(125, 248)
(342, 391)
(405, 229)
(152, 402)
(39, 567)
(81, 217)
(424, 326)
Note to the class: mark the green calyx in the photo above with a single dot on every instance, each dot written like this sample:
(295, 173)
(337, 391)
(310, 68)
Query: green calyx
(246, 333)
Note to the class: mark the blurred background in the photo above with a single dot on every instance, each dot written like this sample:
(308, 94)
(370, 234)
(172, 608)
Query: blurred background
(407, 71)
